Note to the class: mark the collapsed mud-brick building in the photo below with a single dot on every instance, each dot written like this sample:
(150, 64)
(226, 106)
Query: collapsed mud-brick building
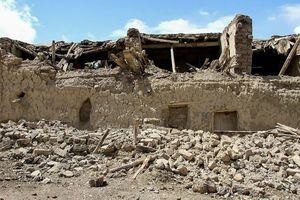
(215, 81)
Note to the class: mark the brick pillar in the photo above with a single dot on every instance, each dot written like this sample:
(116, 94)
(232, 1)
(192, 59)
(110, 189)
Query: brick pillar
(236, 42)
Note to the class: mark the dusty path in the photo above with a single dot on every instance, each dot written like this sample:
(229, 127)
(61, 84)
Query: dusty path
(77, 188)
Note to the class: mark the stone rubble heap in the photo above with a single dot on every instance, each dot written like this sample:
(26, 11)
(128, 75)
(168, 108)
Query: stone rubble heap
(204, 162)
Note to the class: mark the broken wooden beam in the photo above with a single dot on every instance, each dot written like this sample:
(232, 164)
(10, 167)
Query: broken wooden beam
(289, 58)
(30, 52)
(120, 62)
(64, 64)
(181, 45)
(53, 52)
(145, 163)
(191, 67)
(160, 40)
(101, 141)
(206, 62)
(173, 60)
(133, 164)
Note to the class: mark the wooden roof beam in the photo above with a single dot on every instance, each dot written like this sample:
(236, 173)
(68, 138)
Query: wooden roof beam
(181, 45)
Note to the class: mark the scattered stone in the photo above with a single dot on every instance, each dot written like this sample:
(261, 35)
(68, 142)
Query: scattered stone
(23, 142)
(200, 187)
(204, 187)
(225, 157)
(46, 181)
(292, 172)
(212, 164)
(211, 187)
(128, 147)
(161, 163)
(56, 167)
(297, 176)
(36, 173)
(217, 164)
(296, 160)
(186, 155)
(67, 174)
(108, 149)
(60, 152)
(98, 182)
(45, 152)
(238, 177)
(183, 171)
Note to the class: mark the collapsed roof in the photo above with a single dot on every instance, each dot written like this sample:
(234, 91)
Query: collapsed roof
(233, 50)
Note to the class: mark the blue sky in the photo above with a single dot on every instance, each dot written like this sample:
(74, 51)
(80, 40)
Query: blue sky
(41, 21)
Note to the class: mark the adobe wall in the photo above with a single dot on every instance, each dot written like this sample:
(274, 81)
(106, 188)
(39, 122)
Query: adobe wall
(117, 99)
(236, 41)
(294, 68)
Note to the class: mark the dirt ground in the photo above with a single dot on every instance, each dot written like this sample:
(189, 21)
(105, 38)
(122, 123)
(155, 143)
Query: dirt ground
(78, 188)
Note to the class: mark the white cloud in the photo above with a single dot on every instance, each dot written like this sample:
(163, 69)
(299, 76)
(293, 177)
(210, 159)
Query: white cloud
(174, 26)
(204, 13)
(291, 12)
(297, 29)
(132, 23)
(17, 23)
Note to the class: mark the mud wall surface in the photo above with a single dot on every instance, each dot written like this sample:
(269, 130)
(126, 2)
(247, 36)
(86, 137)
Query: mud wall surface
(294, 68)
(114, 99)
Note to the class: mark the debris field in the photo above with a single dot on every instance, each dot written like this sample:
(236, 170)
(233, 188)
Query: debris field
(203, 162)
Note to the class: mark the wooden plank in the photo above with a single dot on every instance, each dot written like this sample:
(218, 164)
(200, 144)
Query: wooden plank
(181, 45)
(53, 52)
(160, 40)
(145, 163)
(133, 164)
(101, 141)
(120, 62)
(289, 58)
(173, 60)
(206, 61)
(30, 52)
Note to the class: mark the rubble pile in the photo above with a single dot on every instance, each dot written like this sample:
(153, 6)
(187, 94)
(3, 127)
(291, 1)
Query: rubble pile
(204, 162)
(280, 44)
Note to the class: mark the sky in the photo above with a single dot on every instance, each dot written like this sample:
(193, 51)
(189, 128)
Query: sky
(41, 21)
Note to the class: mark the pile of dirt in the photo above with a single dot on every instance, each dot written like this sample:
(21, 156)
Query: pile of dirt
(202, 162)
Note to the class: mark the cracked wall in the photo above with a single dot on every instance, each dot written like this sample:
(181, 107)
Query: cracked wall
(117, 98)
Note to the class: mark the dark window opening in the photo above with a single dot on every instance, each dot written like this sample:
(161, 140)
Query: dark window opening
(267, 62)
(225, 121)
(186, 58)
(178, 116)
(160, 57)
(85, 111)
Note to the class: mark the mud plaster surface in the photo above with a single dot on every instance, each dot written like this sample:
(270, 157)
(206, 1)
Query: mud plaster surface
(117, 98)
